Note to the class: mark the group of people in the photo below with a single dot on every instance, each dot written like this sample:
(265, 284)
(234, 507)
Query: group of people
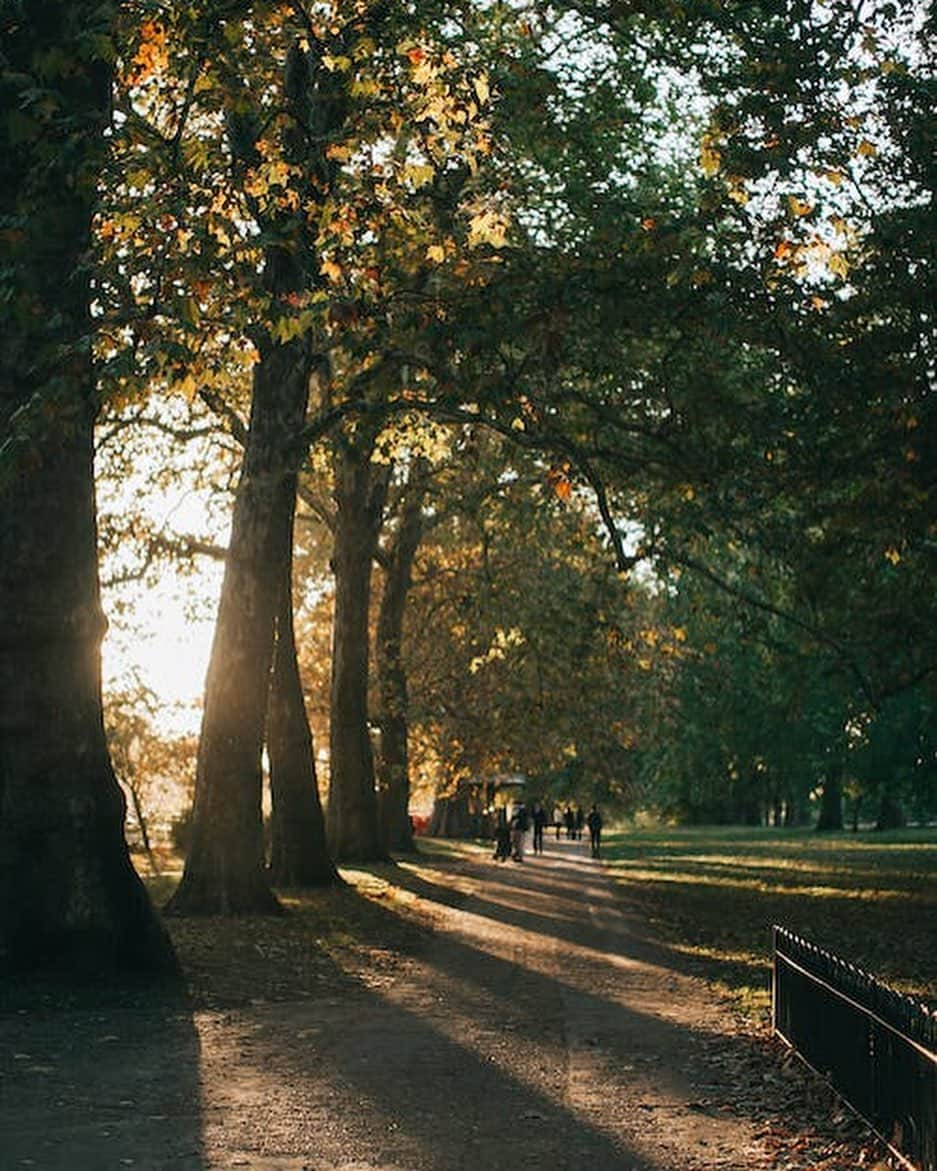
(510, 831)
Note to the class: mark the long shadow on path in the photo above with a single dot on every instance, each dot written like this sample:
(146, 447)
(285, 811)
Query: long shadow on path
(503, 1046)
(87, 1083)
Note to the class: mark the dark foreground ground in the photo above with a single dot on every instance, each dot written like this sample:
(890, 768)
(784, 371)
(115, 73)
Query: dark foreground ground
(447, 1014)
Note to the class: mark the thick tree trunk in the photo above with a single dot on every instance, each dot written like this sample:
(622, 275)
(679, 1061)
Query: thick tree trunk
(225, 871)
(393, 760)
(890, 813)
(831, 801)
(352, 818)
(299, 852)
(69, 896)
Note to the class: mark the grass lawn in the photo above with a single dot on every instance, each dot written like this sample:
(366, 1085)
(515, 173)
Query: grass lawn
(713, 893)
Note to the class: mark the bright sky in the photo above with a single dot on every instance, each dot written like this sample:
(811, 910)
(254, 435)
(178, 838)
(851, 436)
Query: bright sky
(165, 647)
(160, 630)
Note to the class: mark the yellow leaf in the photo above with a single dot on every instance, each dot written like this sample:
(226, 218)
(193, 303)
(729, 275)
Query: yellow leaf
(737, 192)
(839, 265)
(330, 269)
(187, 386)
(710, 160)
(418, 174)
(488, 227)
(834, 177)
(709, 155)
(866, 149)
(892, 555)
(364, 87)
(799, 207)
(436, 253)
(482, 88)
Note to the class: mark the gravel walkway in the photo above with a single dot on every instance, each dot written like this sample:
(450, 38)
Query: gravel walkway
(538, 1029)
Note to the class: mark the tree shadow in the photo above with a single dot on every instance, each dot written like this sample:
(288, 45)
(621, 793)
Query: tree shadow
(98, 1077)
(474, 1057)
(568, 908)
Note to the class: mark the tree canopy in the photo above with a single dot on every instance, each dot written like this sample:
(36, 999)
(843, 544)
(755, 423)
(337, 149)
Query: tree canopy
(597, 336)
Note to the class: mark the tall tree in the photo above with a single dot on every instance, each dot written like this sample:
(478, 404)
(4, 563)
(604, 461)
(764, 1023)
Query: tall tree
(393, 757)
(360, 492)
(299, 852)
(68, 893)
(225, 870)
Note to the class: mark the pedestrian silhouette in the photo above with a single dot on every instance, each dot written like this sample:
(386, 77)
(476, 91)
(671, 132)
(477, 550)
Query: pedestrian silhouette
(594, 822)
(539, 818)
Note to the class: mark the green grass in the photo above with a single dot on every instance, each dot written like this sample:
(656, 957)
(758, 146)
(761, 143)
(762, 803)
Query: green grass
(714, 893)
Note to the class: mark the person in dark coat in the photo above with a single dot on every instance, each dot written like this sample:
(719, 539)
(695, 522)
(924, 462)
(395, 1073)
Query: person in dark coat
(594, 822)
(502, 837)
(538, 817)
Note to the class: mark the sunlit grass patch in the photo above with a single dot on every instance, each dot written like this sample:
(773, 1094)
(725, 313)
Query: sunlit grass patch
(713, 895)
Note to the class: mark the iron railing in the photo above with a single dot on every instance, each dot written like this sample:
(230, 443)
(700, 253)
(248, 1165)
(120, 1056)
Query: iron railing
(877, 1048)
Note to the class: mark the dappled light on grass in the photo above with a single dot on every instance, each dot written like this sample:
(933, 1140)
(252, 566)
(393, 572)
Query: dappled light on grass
(715, 893)
(726, 879)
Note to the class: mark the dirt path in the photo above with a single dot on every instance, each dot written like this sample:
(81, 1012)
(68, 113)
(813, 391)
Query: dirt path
(536, 1030)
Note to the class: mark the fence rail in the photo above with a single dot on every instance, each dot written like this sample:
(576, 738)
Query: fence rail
(877, 1047)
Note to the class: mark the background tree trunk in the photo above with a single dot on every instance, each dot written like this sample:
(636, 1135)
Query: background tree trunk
(393, 759)
(69, 895)
(352, 817)
(299, 852)
(831, 801)
(890, 812)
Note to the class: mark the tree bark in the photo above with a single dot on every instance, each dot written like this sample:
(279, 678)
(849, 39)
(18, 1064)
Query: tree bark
(831, 801)
(69, 896)
(393, 758)
(225, 870)
(890, 813)
(299, 851)
(352, 818)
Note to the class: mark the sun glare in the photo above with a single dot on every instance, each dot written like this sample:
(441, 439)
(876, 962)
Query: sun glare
(162, 642)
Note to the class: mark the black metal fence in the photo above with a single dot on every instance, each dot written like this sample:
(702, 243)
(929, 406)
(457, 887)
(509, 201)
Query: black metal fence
(877, 1047)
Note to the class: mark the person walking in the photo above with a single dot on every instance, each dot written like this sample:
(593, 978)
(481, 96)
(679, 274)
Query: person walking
(502, 837)
(594, 822)
(519, 823)
(580, 820)
(539, 818)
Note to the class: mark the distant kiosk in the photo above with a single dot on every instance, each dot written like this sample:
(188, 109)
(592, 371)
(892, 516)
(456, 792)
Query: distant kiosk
(471, 811)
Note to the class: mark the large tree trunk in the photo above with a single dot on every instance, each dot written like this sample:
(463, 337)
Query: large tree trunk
(352, 818)
(831, 800)
(393, 759)
(225, 871)
(299, 852)
(69, 896)
(890, 812)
